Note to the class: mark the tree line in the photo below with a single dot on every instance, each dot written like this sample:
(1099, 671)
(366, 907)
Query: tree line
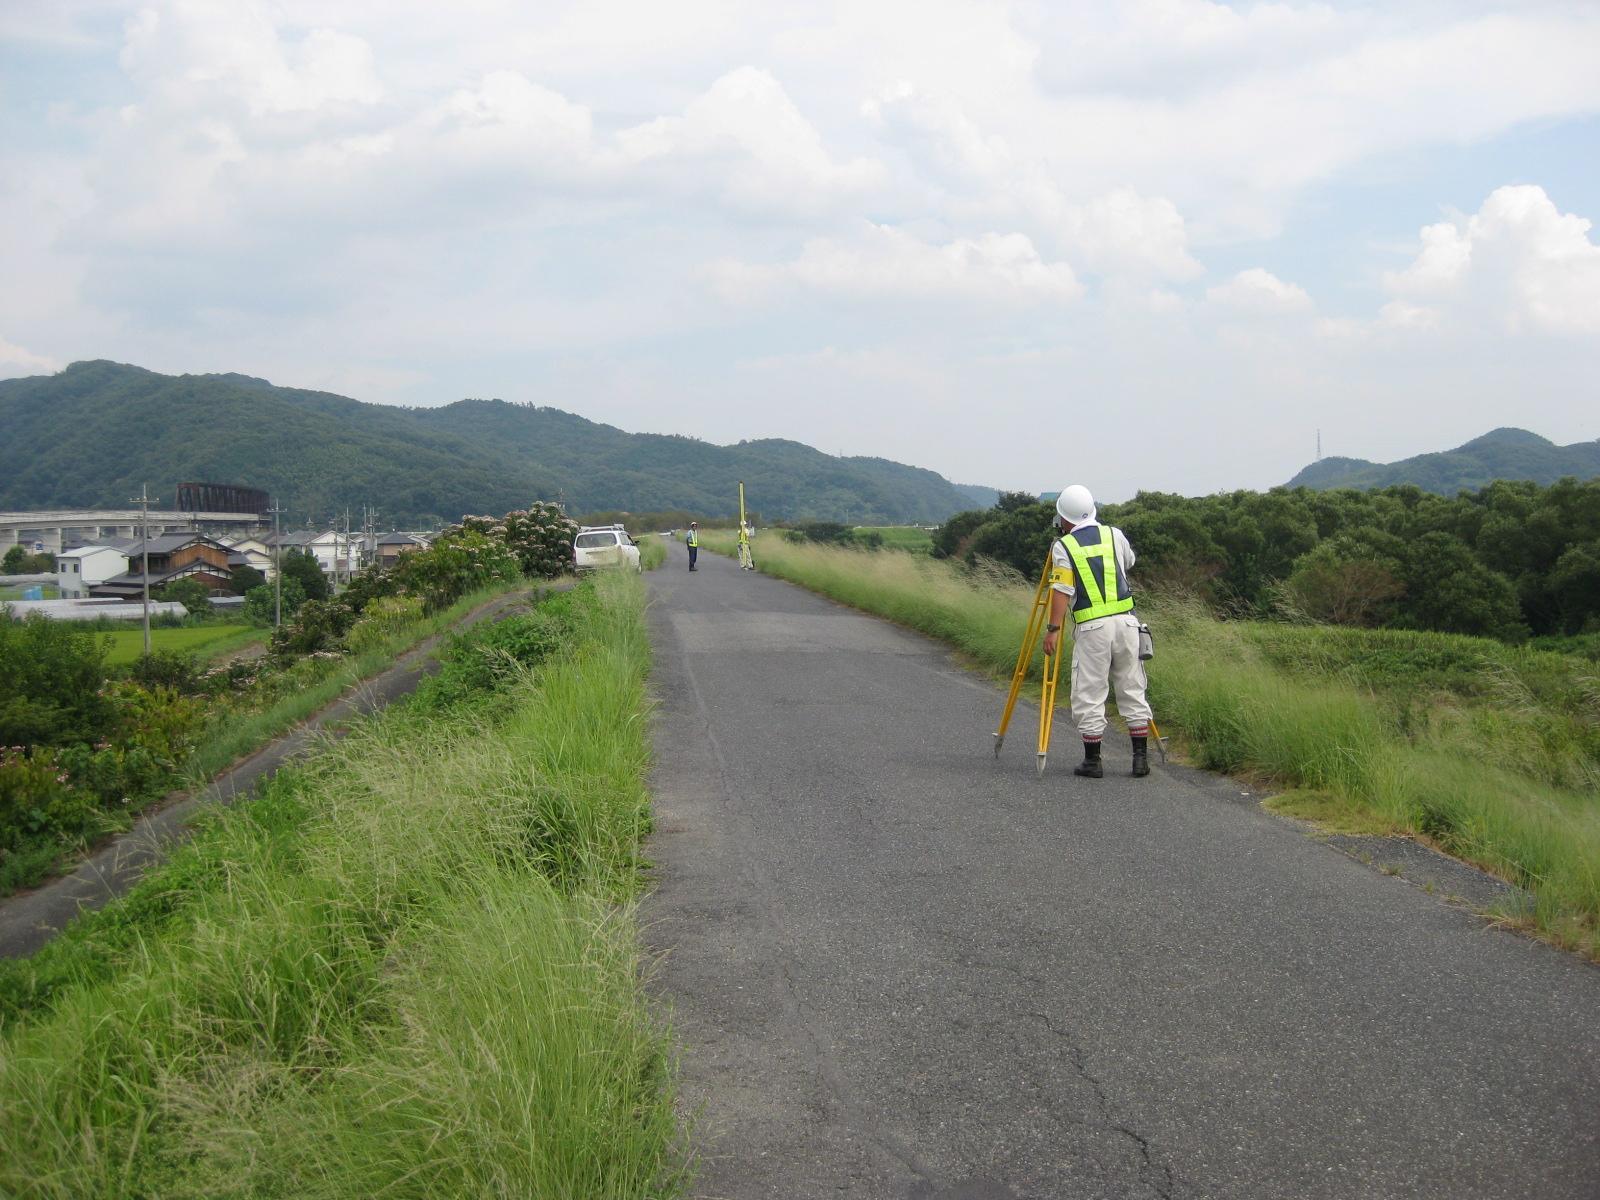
(1506, 561)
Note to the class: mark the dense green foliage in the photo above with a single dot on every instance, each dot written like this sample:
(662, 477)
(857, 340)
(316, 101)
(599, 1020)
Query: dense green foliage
(324, 454)
(1513, 454)
(1501, 562)
(407, 969)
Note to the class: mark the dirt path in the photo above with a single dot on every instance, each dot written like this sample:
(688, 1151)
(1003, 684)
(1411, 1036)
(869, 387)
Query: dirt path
(30, 919)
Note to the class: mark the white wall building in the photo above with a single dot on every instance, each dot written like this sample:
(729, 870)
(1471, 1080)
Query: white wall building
(80, 569)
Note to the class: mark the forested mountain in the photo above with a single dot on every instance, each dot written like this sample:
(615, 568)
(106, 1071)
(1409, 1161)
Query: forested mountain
(93, 433)
(1500, 454)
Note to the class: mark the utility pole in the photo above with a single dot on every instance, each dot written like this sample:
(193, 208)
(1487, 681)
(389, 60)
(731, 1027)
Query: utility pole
(277, 567)
(143, 500)
(1319, 445)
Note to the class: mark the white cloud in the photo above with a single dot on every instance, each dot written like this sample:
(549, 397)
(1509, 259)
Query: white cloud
(746, 133)
(1259, 291)
(1518, 262)
(887, 263)
(193, 52)
(15, 360)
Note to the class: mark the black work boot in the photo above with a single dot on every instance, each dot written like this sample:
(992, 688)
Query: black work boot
(1090, 765)
(1141, 757)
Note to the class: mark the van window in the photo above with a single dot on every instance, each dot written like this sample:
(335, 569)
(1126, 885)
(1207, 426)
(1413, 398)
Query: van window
(588, 541)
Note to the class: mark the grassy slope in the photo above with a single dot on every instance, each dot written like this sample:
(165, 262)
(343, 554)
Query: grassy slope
(1492, 753)
(410, 969)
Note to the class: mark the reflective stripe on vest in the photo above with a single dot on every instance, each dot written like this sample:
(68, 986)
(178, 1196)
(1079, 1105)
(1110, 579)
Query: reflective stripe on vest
(1094, 565)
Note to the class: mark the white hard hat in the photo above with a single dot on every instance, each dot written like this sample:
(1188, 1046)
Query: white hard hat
(1075, 505)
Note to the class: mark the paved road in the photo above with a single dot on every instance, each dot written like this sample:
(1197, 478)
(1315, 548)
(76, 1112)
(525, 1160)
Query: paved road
(900, 968)
(30, 919)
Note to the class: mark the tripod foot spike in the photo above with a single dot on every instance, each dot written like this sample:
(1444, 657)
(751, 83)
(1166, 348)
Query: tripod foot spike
(1039, 766)
(999, 740)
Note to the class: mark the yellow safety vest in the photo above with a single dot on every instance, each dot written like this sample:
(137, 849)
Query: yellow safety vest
(1095, 565)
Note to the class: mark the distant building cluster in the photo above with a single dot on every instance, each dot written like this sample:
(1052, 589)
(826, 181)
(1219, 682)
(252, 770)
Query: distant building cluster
(100, 556)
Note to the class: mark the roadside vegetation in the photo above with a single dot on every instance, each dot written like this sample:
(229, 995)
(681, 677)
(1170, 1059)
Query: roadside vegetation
(410, 967)
(86, 743)
(652, 552)
(1489, 751)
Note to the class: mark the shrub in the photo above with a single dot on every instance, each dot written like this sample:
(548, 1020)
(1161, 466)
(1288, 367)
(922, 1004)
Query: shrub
(51, 675)
(190, 593)
(166, 668)
(318, 625)
(381, 619)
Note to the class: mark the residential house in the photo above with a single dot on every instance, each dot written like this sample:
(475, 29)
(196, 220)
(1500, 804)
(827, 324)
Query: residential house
(392, 545)
(172, 556)
(80, 568)
(250, 552)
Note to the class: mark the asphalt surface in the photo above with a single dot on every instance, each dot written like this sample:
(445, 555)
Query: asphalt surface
(30, 919)
(901, 968)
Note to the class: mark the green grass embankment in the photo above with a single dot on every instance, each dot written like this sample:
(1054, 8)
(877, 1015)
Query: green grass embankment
(1489, 752)
(410, 968)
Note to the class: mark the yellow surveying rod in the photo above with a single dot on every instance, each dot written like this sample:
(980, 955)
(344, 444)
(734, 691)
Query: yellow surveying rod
(741, 508)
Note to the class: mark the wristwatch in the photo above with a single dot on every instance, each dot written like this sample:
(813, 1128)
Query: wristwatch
(1052, 629)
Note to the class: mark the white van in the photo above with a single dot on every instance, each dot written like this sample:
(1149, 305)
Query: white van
(604, 546)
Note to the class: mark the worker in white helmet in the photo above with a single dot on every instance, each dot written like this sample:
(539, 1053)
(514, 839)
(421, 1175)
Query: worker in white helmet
(1089, 566)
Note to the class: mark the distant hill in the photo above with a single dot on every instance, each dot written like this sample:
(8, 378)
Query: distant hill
(93, 433)
(1500, 454)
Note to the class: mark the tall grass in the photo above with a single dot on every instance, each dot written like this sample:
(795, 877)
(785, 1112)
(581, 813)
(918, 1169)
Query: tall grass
(432, 989)
(1237, 707)
(652, 551)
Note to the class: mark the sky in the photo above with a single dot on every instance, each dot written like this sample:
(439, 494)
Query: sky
(1144, 244)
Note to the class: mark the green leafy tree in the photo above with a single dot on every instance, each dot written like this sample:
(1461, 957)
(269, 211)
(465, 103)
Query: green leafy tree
(1449, 589)
(190, 593)
(304, 569)
(260, 606)
(244, 578)
(1575, 584)
(12, 563)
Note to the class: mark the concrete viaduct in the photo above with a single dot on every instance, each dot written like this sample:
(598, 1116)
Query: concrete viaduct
(69, 527)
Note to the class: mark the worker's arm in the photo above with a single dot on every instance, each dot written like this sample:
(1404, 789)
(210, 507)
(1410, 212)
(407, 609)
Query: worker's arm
(1058, 612)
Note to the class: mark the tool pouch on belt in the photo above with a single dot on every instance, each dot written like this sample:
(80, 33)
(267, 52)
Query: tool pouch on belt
(1147, 643)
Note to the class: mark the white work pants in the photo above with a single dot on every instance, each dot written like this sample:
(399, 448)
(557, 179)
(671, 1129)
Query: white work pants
(1105, 652)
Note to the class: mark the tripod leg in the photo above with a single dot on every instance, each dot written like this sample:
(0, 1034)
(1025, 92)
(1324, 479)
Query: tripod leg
(1036, 622)
(1047, 704)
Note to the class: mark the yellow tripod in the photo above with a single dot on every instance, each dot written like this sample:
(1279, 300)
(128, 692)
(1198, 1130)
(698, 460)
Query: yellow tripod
(1038, 618)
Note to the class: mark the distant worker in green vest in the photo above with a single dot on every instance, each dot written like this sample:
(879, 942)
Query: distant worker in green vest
(1089, 566)
(692, 540)
(747, 561)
